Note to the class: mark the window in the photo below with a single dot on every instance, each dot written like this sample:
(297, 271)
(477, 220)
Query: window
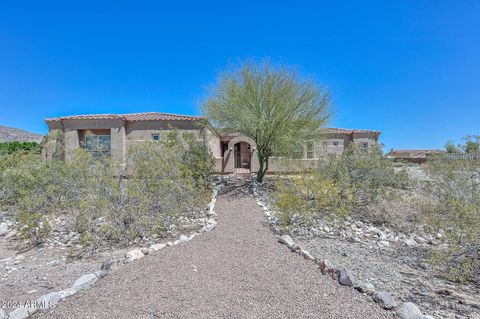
(298, 151)
(310, 149)
(335, 144)
(98, 145)
(365, 146)
(155, 137)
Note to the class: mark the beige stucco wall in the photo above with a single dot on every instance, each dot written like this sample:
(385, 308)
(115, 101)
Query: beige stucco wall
(137, 132)
(126, 134)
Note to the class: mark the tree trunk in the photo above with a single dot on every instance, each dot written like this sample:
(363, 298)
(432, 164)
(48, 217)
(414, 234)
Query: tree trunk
(262, 169)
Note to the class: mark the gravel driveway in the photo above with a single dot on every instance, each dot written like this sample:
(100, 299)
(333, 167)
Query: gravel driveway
(237, 270)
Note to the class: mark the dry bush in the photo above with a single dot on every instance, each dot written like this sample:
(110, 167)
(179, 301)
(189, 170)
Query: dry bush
(341, 185)
(106, 201)
(455, 209)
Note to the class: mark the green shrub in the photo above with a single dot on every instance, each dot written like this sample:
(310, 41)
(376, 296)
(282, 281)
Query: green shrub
(107, 201)
(341, 184)
(455, 209)
(13, 147)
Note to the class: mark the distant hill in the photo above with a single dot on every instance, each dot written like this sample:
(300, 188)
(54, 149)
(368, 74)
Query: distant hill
(10, 134)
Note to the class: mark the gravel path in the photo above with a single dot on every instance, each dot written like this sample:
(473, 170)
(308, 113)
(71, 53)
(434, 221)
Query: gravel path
(237, 270)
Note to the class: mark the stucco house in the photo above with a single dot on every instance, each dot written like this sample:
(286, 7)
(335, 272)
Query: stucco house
(113, 134)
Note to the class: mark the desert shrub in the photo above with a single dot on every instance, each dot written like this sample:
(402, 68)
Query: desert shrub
(289, 203)
(455, 209)
(12, 147)
(342, 184)
(107, 201)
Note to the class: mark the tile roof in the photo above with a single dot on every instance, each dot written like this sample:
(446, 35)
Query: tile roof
(332, 130)
(132, 117)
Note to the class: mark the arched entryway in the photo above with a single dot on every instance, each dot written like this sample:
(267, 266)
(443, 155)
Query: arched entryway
(242, 157)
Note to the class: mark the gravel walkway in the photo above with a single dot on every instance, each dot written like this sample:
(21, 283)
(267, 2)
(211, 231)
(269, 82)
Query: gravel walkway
(237, 270)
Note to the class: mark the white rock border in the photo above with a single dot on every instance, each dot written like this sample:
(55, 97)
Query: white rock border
(87, 281)
(338, 273)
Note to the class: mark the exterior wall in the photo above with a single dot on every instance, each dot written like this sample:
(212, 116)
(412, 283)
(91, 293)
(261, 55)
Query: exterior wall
(142, 131)
(126, 134)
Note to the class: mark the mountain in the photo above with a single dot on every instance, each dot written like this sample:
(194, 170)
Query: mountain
(10, 134)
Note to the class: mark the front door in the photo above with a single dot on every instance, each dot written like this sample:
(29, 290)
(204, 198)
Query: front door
(238, 156)
(242, 157)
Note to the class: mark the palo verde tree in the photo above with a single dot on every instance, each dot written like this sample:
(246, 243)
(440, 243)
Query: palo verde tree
(273, 105)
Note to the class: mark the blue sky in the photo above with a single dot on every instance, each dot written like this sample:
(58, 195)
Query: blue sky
(408, 68)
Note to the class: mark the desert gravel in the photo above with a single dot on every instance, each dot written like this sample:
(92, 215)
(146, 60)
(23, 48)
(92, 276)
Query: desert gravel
(238, 270)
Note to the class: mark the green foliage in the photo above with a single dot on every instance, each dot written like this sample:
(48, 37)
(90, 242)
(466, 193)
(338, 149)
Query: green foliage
(106, 201)
(455, 184)
(289, 204)
(271, 105)
(470, 145)
(12, 147)
(341, 184)
(34, 227)
(451, 148)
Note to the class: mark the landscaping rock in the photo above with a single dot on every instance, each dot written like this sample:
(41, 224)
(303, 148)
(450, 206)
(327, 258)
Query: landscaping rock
(410, 242)
(145, 251)
(67, 293)
(327, 267)
(408, 310)
(287, 240)
(344, 277)
(49, 300)
(109, 264)
(365, 287)
(84, 282)
(307, 255)
(384, 299)
(101, 273)
(21, 313)
(157, 247)
(133, 254)
(3, 229)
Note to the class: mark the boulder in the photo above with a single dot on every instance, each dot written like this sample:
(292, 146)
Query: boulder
(384, 299)
(410, 242)
(49, 300)
(287, 240)
(145, 251)
(344, 277)
(3, 229)
(327, 267)
(109, 264)
(307, 255)
(365, 287)
(101, 273)
(67, 293)
(157, 247)
(408, 310)
(22, 313)
(133, 254)
(84, 282)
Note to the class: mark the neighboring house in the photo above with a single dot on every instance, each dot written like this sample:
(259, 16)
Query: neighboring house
(413, 156)
(113, 134)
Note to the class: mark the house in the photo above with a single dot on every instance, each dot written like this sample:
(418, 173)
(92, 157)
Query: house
(413, 156)
(113, 134)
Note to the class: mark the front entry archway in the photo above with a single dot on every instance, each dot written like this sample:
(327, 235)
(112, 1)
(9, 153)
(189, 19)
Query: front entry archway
(242, 157)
